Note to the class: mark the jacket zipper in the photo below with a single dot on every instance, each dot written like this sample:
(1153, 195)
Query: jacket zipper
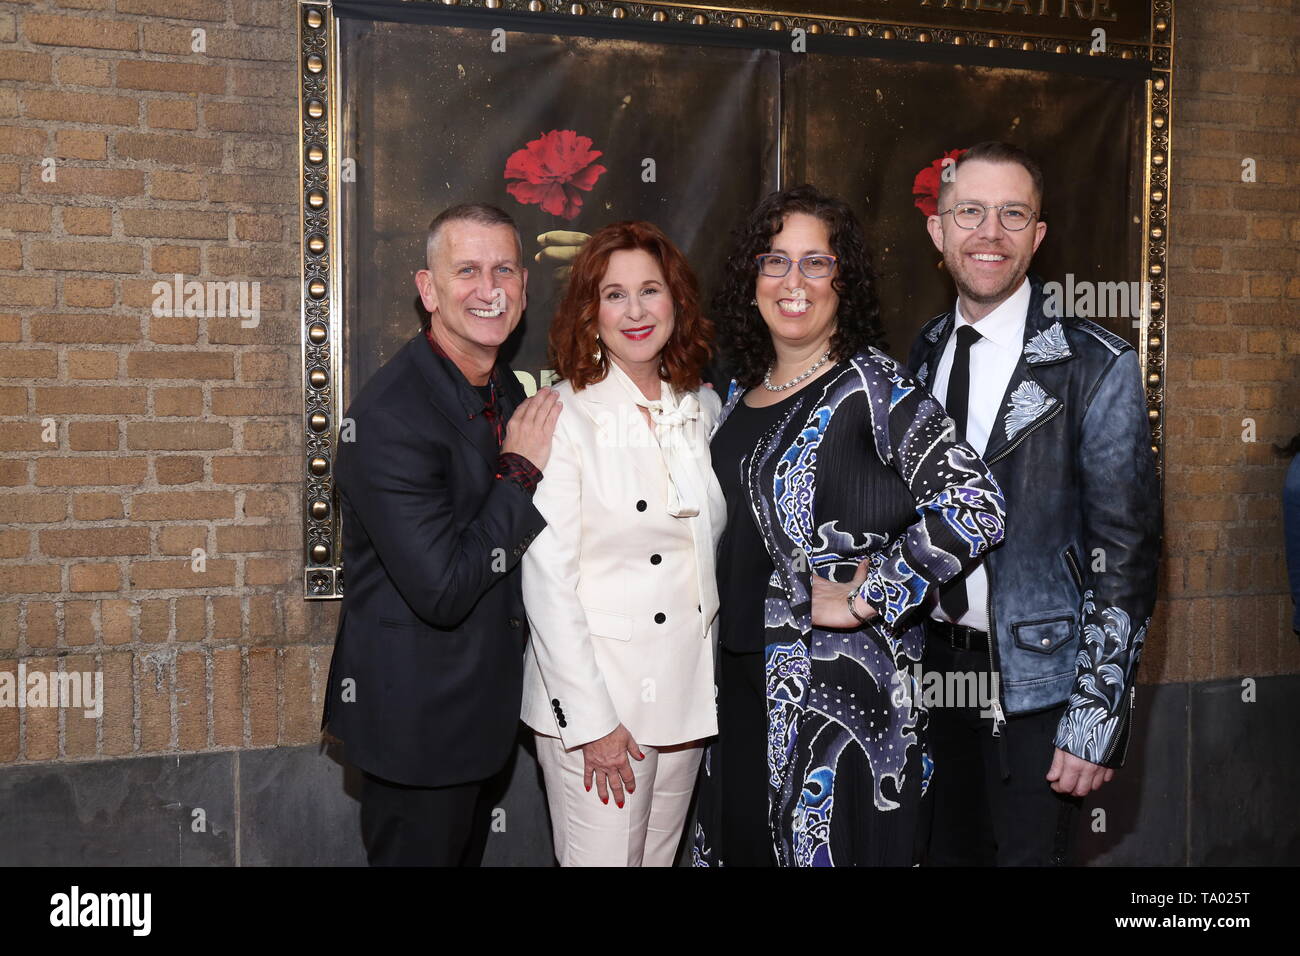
(1074, 567)
(999, 716)
(1125, 727)
(1056, 410)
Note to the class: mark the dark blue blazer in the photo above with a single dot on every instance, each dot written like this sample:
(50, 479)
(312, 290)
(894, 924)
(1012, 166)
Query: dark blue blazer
(426, 680)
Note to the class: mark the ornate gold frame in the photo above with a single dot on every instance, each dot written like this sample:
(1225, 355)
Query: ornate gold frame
(934, 22)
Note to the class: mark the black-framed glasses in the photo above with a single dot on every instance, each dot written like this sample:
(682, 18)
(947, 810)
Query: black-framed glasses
(813, 267)
(969, 214)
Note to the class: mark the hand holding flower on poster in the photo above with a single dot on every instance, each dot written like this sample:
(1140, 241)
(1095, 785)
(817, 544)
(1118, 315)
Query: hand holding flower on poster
(550, 171)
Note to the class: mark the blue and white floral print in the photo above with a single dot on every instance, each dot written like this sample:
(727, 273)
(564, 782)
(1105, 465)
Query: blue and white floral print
(1048, 345)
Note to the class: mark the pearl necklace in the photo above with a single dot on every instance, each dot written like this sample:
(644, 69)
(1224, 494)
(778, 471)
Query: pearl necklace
(767, 376)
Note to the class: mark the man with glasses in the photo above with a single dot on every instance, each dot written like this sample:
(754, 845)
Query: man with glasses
(1050, 625)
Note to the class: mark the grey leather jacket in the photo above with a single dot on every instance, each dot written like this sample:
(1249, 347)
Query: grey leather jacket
(1073, 584)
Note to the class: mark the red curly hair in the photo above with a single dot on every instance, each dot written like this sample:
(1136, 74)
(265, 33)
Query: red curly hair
(572, 339)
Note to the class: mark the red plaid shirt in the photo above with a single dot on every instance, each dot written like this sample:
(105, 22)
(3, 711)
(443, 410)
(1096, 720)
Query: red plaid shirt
(510, 466)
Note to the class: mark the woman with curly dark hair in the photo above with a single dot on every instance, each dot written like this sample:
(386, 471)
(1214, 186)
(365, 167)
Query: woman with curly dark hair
(849, 502)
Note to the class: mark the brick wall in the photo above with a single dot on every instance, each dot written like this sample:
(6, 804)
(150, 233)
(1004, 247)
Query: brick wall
(170, 433)
(181, 433)
(1234, 343)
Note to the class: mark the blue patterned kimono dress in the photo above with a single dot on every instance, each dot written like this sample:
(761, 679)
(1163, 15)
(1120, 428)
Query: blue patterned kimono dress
(863, 465)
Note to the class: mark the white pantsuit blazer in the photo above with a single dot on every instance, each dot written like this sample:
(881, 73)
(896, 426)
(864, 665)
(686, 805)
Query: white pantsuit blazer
(620, 594)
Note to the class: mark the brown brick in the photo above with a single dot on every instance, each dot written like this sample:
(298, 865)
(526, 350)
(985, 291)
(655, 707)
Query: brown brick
(34, 508)
(85, 71)
(10, 737)
(155, 675)
(170, 260)
(84, 181)
(30, 579)
(13, 472)
(92, 364)
(14, 544)
(186, 402)
(172, 114)
(263, 719)
(20, 290)
(119, 704)
(166, 38)
(33, 217)
(79, 623)
(182, 505)
(227, 618)
(178, 469)
(80, 144)
(92, 399)
(94, 108)
(96, 506)
(41, 734)
(11, 328)
(88, 222)
(116, 621)
(95, 542)
(22, 436)
(191, 619)
(170, 77)
(97, 33)
(90, 471)
(168, 184)
(245, 188)
(227, 698)
(235, 539)
(254, 469)
(254, 401)
(22, 141)
(86, 256)
(301, 713)
(80, 726)
(178, 436)
(192, 701)
(173, 150)
(29, 363)
(173, 330)
(179, 573)
(93, 436)
(9, 625)
(268, 436)
(269, 82)
(155, 621)
(88, 293)
(42, 630)
(30, 67)
(176, 9)
(181, 365)
(13, 401)
(182, 539)
(270, 571)
(94, 577)
(264, 367)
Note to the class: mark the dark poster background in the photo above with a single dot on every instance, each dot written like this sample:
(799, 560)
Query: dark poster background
(863, 128)
(432, 116)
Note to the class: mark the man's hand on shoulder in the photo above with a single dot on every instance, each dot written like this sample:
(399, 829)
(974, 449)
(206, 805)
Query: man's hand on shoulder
(1076, 776)
(529, 431)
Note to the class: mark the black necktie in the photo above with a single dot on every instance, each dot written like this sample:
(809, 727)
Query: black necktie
(952, 598)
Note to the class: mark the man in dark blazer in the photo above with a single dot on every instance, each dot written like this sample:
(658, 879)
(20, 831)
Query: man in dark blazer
(1059, 611)
(436, 495)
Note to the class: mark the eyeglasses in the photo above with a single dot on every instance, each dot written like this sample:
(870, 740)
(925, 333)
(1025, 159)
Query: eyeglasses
(969, 214)
(814, 267)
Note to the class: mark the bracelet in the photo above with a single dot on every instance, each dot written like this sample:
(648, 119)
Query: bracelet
(854, 611)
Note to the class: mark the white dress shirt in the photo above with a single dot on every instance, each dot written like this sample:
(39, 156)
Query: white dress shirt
(993, 359)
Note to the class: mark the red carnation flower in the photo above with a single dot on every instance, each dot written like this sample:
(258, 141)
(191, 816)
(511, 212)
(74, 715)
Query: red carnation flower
(925, 187)
(552, 169)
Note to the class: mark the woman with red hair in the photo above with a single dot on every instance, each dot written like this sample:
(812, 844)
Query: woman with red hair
(619, 587)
